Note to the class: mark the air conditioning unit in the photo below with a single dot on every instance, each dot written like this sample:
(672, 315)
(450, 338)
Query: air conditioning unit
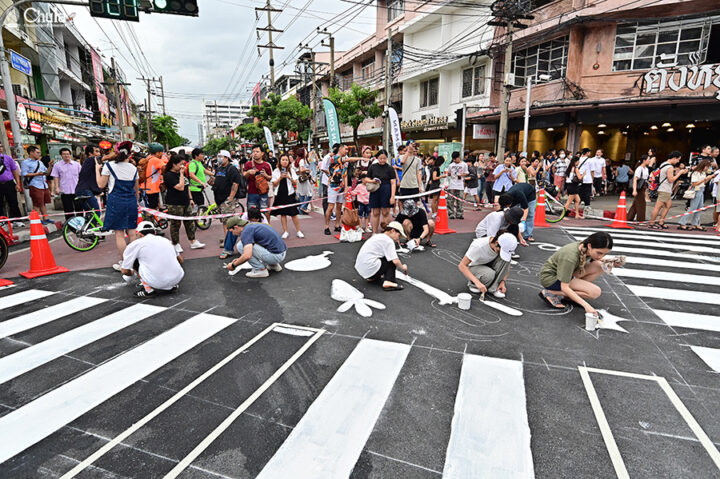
(510, 79)
(21, 90)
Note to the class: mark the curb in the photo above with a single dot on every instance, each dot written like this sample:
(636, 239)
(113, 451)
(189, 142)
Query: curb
(23, 235)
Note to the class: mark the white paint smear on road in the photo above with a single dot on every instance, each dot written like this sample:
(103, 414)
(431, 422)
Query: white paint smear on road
(38, 419)
(23, 297)
(675, 294)
(666, 276)
(679, 246)
(310, 263)
(46, 315)
(659, 234)
(329, 438)
(490, 432)
(710, 356)
(684, 239)
(30, 358)
(678, 319)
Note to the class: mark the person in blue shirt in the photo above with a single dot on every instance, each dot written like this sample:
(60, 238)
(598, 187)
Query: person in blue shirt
(262, 247)
(33, 170)
(505, 176)
(622, 179)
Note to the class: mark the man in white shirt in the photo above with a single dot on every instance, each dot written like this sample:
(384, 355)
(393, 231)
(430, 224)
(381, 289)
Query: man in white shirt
(486, 265)
(377, 257)
(599, 173)
(155, 262)
(585, 167)
(325, 169)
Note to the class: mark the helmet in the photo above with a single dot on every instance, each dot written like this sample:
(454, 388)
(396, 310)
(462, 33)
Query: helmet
(155, 148)
(145, 227)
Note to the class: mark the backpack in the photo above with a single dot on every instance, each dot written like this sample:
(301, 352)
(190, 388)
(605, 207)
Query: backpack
(653, 181)
(142, 169)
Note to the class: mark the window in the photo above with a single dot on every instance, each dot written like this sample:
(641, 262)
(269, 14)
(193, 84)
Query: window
(549, 58)
(641, 46)
(473, 81)
(368, 69)
(395, 8)
(429, 92)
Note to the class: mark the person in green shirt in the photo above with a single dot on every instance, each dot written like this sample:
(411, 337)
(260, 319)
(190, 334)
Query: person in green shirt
(571, 271)
(197, 172)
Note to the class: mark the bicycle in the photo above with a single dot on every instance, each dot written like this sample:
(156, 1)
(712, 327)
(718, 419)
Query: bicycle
(82, 233)
(6, 239)
(554, 209)
(214, 209)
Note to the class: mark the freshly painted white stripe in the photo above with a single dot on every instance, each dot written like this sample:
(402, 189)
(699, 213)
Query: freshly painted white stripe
(610, 444)
(675, 294)
(649, 233)
(187, 460)
(38, 419)
(666, 276)
(46, 315)
(689, 320)
(689, 239)
(29, 358)
(671, 264)
(664, 244)
(490, 434)
(710, 356)
(23, 297)
(645, 251)
(329, 438)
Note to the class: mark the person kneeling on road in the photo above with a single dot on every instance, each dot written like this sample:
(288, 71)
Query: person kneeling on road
(486, 264)
(417, 226)
(262, 247)
(378, 259)
(572, 270)
(155, 262)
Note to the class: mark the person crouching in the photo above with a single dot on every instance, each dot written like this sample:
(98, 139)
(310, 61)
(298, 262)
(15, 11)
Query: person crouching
(486, 264)
(262, 247)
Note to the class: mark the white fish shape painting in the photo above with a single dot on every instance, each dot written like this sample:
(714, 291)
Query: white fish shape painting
(351, 296)
(310, 263)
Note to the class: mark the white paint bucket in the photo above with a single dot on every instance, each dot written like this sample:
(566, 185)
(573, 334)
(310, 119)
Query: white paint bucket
(464, 301)
(591, 322)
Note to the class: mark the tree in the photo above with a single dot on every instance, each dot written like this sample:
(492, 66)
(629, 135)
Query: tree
(214, 145)
(355, 106)
(165, 131)
(282, 116)
(250, 132)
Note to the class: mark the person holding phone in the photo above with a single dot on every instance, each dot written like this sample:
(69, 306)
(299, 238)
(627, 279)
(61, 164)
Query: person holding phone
(285, 182)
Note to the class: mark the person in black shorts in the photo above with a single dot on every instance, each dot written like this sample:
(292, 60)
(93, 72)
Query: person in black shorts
(418, 228)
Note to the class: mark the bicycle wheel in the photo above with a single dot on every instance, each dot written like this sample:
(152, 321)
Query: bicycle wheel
(203, 223)
(3, 251)
(239, 208)
(554, 210)
(75, 235)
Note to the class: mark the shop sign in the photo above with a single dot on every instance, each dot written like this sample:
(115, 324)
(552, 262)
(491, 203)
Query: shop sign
(35, 127)
(20, 63)
(22, 117)
(105, 145)
(691, 77)
(484, 132)
(428, 124)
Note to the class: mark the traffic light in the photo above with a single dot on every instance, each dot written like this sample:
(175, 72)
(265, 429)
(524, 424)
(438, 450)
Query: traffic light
(459, 117)
(176, 7)
(115, 9)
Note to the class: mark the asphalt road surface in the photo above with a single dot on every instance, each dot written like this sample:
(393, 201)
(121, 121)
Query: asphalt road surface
(239, 378)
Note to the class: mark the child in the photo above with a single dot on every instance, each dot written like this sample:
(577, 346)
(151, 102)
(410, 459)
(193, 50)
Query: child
(362, 196)
(457, 171)
(471, 182)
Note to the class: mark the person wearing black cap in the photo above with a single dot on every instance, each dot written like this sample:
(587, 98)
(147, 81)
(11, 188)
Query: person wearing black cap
(508, 219)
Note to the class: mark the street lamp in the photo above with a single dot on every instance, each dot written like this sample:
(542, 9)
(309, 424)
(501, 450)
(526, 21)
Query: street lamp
(528, 85)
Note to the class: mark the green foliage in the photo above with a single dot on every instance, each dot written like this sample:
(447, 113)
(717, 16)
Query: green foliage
(355, 106)
(282, 116)
(214, 145)
(250, 132)
(165, 131)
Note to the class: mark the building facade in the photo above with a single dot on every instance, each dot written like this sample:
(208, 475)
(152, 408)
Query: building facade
(218, 116)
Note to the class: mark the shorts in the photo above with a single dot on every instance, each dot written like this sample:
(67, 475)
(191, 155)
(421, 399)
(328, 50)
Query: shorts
(572, 188)
(408, 191)
(471, 191)
(257, 200)
(363, 210)
(224, 209)
(555, 286)
(381, 197)
(39, 196)
(598, 183)
(335, 195)
(664, 197)
(153, 200)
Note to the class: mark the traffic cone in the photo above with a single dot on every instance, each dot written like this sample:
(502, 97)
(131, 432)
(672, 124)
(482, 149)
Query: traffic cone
(442, 227)
(621, 215)
(540, 211)
(5, 282)
(42, 262)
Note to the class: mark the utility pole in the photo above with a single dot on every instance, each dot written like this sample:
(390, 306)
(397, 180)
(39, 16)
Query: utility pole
(270, 45)
(162, 94)
(116, 93)
(388, 88)
(331, 44)
(148, 116)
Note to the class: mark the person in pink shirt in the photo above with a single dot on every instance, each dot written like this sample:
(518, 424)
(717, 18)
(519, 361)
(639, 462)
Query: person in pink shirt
(67, 172)
(362, 196)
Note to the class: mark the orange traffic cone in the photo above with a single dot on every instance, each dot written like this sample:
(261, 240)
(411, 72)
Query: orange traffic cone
(540, 211)
(442, 227)
(621, 215)
(5, 282)
(42, 262)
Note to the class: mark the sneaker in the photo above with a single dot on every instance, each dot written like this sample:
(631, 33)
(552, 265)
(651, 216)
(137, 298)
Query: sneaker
(142, 293)
(275, 267)
(300, 234)
(368, 230)
(332, 217)
(258, 273)
(337, 229)
(48, 222)
(18, 224)
(499, 294)
(327, 231)
(178, 248)
(117, 266)
(515, 256)
(196, 245)
(285, 235)
(473, 288)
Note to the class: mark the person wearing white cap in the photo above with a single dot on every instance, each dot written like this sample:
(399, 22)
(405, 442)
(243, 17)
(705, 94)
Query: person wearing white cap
(378, 259)
(486, 264)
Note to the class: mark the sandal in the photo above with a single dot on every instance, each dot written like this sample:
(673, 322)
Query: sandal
(663, 226)
(654, 227)
(397, 287)
(699, 228)
(551, 299)
(429, 244)
(224, 255)
(684, 227)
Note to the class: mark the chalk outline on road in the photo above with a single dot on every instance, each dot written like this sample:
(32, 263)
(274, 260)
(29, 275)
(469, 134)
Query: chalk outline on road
(179, 395)
(607, 434)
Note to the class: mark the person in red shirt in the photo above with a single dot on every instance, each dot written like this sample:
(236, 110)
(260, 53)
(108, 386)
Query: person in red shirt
(258, 174)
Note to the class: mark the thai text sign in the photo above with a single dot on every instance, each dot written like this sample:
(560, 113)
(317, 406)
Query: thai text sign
(693, 78)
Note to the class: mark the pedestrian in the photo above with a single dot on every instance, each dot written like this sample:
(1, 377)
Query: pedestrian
(262, 247)
(622, 179)
(377, 258)
(522, 172)
(121, 178)
(597, 165)
(179, 201)
(226, 187)
(435, 178)
(715, 196)
(457, 171)
(258, 174)
(324, 170)
(490, 166)
(154, 261)
(33, 171)
(667, 175)
(285, 182)
(504, 176)
(573, 183)
(560, 168)
(362, 196)
(480, 165)
(305, 180)
(382, 196)
(337, 184)
(418, 228)
(150, 169)
(197, 173)
(87, 187)
(571, 272)
(471, 182)
(486, 264)
(585, 172)
(640, 182)
(10, 186)
(67, 172)
(696, 195)
(411, 175)
(524, 196)
(548, 164)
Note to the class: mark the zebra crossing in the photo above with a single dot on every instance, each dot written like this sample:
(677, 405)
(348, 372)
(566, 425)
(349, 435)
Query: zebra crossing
(677, 275)
(338, 421)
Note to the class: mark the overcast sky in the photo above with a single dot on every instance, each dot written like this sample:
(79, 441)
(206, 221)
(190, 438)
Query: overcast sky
(197, 56)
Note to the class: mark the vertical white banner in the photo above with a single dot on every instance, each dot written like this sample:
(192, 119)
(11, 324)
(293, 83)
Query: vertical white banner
(395, 129)
(269, 139)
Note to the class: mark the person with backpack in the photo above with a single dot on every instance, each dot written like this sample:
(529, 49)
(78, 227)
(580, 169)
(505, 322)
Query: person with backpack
(337, 182)
(640, 181)
(10, 186)
(696, 195)
(258, 174)
(33, 171)
(662, 181)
